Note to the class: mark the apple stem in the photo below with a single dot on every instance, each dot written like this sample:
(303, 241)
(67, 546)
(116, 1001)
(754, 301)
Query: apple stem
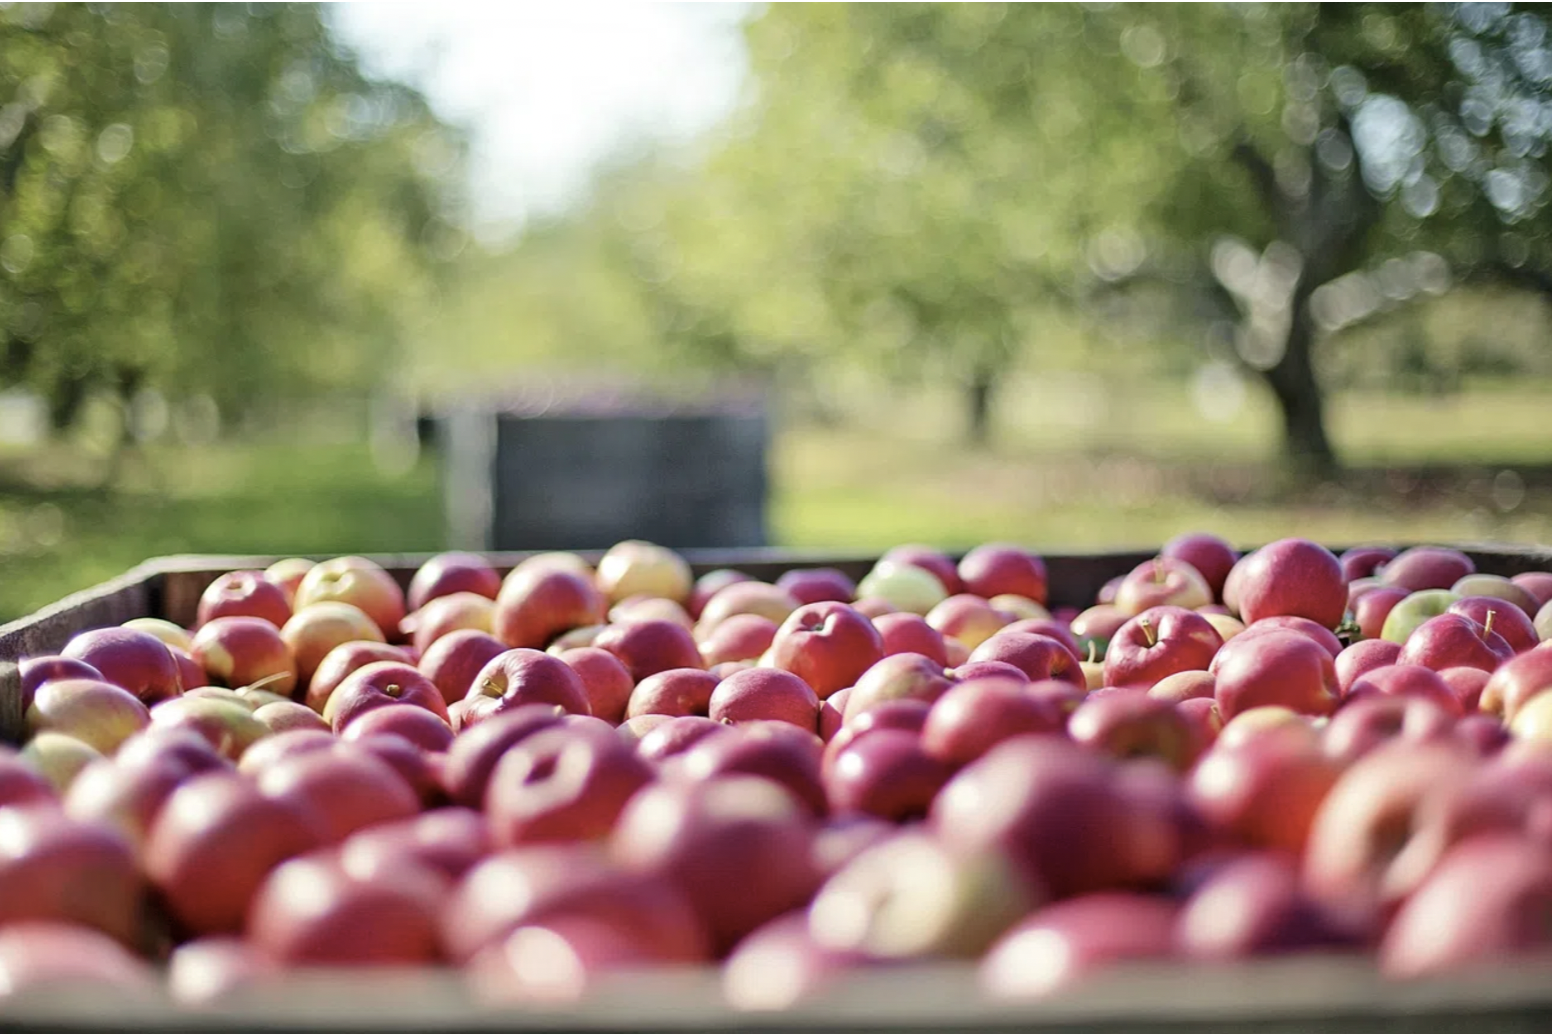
(1487, 626)
(267, 680)
(1147, 630)
(1092, 651)
(1159, 574)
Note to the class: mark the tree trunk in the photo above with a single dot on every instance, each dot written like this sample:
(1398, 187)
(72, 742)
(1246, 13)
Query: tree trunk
(1306, 448)
(978, 405)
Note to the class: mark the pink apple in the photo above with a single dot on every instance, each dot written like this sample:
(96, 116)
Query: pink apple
(244, 594)
(604, 679)
(897, 677)
(381, 684)
(245, 651)
(1303, 626)
(447, 614)
(474, 753)
(1364, 656)
(1253, 905)
(777, 751)
(742, 637)
(1537, 583)
(886, 774)
(42, 958)
(1293, 577)
(209, 970)
(966, 617)
(345, 787)
(558, 785)
(1516, 681)
(1283, 668)
(1497, 587)
(709, 584)
(1501, 617)
(416, 724)
(1454, 640)
(1265, 792)
(1039, 657)
(1098, 625)
(1159, 642)
(827, 645)
(1162, 581)
(136, 661)
(759, 694)
(22, 784)
(342, 661)
(57, 869)
(1047, 626)
(1412, 681)
(536, 604)
(1467, 684)
(1364, 561)
(1185, 685)
(935, 562)
(648, 647)
(310, 911)
(454, 661)
(1372, 609)
(746, 597)
(280, 715)
(910, 633)
(520, 677)
(1427, 567)
(818, 584)
(288, 574)
(677, 735)
(996, 569)
(1209, 554)
(447, 573)
(1069, 941)
(1366, 723)
(779, 966)
(976, 715)
(1130, 724)
(677, 691)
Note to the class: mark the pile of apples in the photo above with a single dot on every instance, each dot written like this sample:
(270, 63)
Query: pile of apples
(545, 780)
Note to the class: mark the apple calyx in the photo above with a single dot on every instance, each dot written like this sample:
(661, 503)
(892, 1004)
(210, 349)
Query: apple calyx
(1147, 631)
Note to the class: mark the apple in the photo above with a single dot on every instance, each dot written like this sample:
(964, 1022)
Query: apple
(1162, 581)
(228, 726)
(208, 970)
(556, 559)
(709, 584)
(557, 785)
(843, 838)
(650, 608)
(1209, 554)
(1543, 622)
(935, 562)
(765, 694)
(818, 584)
(358, 582)
(1364, 656)
(214, 842)
(1069, 941)
(1372, 610)
(1516, 681)
(447, 614)
(1098, 625)
(575, 639)
(742, 637)
(1412, 681)
(136, 661)
(1303, 626)
(996, 569)
(910, 633)
(677, 691)
(967, 618)
(287, 743)
(739, 848)
(243, 594)
(450, 841)
(555, 964)
(887, 774)
(125, 797)
(1047, 626)
(343, 661)
(21, 783)
(1268, 720)
(57, 869)
(99, 714)
(245, 651)
(1293, 577)
(309, 911)
(779, 966)
(1184, 685)
(452, 663)
(282, 715)
(973, 716)
(537, 604)
(1265, 792)
(474, 753)
(1496, 586)
(1454, 640)
(746, 597)
(904, 586)
(897, 677)
(1060, 813)
(1253, 905)
(170, 634)
(832, 714)
(676, 735)
(288, 574)
(1532, 721)
(1365, 723)
(416, 724)
(382, 684)
(907, 714)
(520, 677)
(1283, 668)
(315, 630)
(190, 674)
(986, 669)
(345, 787)
(777, 751)
(1132, 724)
(648, 647)
(1039, 657)
(1159, 642)
(872, 607)
(183, 747)
(1505, 619)
(1021, 608)
(828, 645)
(34, 671)
(1467, 684)
(1202, 720)
(449, 573)
(604, 679)
(636, 568)
(1474, 911)
(43, 960)
(1427, 567)
(1537, 583)
(1364, 561)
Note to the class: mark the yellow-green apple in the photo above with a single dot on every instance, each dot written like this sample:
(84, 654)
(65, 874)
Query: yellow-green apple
(382, 684)
(764, 694)
(558, 785)
(781, 753)
(345, 787)
(817, 584)
(1254, 905)
(1018, 608)
(1363, 656)
(519, 677)
(447, 614)
(1038, 656)
(415, 724)
(899, 676)
(1293, 577)
(58, 758)
(1282, 668)
(974, 716)
(1184, 685)
(1496, 586)
(1366, 723)
(828, 645)
(220, 823)
(1159, 642)
(1265, 792)
(1162, 581)
(914, 897)
(245, 651)
(1364, 561)
(904, 586)
(136, 661)
(999, 568)
(1533, 719)
(359, 582)
(1427, 567)
(536, 604)
(1069, 941)
(280, 715)
(166, 631)
(1407, 615)
(1372, 610)
(311, 912)
(636, 568)
(648, 647)
(97, 713)
(227, 726)
(243, 594)
(1061, 815)
(1410, 681)
(709, 584)
(345, 659)
(1454, 640)
(288, 574)
(604, 679)
(935, 562)
(21, 783)
(454, 661)
(966, 617)
(315, 630)
(886, 774)
(910, 633)
(448, 573)
(34, 671)
(739, 848)
(675, 692)
(57, 869)
(1504, 618)
(1129, 723)
(1209, 554)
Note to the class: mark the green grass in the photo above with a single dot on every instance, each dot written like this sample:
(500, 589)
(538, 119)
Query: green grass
(1075, 466)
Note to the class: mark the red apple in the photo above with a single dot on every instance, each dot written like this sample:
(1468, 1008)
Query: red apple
(828, 645)
(416, 724)
(309, 911)
(184, 747)
(967, 618)
(1516, 681)
(343, 661)
(520, 677)
(779, 966)
(21, 783)
(636, 568)
(1293, 577)
(345, 787)
(381, 684)
(1411, 681)
(1372, 609)
(648, 647)
(538, 604)
(887, 774)
(228, 726)
(243, 594)
(776, 751)
(677, 735)
(1303, 626)
(444, 615)
(1365, 723)
(996, 569)
(557, 785)
(213, 843)
(1253, 905)
(315, 630)
(764, 694)
(60, 957)
(933, 561)
(1364, 561)
(190, 674)
(245, 651)
(1202, 720)
(1185, 685)
(136, 661)
(1364, 656)
(288, 574)
(976, 715)
(1467, 684)
(742, 637)
(208, 970)
(1209, 554)
(454, 661)
(99, 714)
(910, 633)
(57, 869)
(1159, 642)
(709, 584)
(872, 607)
(1162, 581)
(450, 841)
(818, 584)
(986, 669)
(1046, 626)
(906, 714)
(1427, 567)
(677, 691)
(746, 597)
(1537, 583)
(738, 848)
(1504, 618)
(604, 679)
(358, 582)
(288, 743)
(474, 753)
(1265, 792)
(1282, 668)
(1132, 724)
(898, 677)
(1098, 625)
(449, 573)
(1066, 942)
(1038, 656)
(1454, 640)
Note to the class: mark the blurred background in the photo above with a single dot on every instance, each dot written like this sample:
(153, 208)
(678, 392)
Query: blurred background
(1075, 275)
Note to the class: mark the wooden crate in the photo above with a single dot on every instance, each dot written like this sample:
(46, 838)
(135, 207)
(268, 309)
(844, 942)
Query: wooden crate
(1304, 995)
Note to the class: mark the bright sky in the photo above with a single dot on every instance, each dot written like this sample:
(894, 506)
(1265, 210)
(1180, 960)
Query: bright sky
(548, 90)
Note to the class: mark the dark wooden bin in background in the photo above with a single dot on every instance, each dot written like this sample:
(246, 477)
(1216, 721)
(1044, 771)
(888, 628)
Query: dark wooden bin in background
(1305, 995)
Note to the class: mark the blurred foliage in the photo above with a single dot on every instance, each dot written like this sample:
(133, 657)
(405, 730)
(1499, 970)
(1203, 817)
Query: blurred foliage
(207, 200)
